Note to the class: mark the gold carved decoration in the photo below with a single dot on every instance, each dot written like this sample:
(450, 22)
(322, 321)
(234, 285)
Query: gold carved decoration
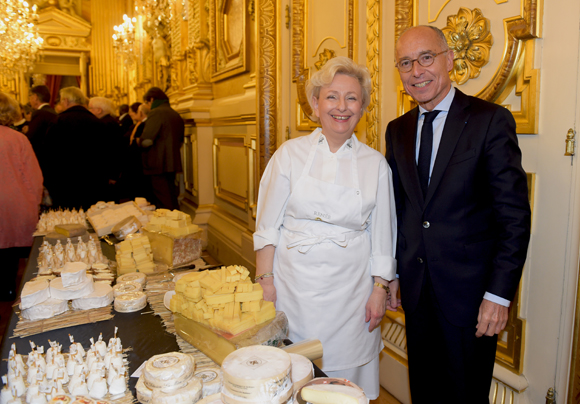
(373, 121)
(574, 383)
(300, 72)
(324, 57)
(267, 80)
(229, 38)
(515, 69)
(468, 35)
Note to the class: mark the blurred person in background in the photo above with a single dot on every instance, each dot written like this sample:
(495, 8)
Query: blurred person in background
(21, 185)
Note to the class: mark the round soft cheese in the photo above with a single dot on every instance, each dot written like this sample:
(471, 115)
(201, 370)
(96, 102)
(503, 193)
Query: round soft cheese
(132, 277)
(144, 393)
(73, 274)
(58, 291)
(99, 267)
(169, 370)
(282, 397)
(34, 293)
(102, 296)
(258, 374)
(127, 287)
(333, 394)
(130, 302)
(190, 393)
(47, 309)
(302, 370)
(211, 378)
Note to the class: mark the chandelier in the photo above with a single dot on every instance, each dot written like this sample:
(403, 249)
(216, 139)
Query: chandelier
(124, 39)
(19, 39)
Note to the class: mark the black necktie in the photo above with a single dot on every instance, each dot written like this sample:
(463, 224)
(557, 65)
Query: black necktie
(425, 149)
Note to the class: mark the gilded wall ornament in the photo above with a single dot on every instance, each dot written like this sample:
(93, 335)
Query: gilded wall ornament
(324, 57)
(468, 35)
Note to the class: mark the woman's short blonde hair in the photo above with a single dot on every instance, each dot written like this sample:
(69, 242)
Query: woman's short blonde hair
(9, 110)
(339, 65)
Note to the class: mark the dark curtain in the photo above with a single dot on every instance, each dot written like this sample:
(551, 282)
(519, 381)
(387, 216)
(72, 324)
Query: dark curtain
(53, 82)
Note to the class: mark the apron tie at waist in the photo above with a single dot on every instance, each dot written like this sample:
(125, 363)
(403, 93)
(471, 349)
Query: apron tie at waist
(304, 245)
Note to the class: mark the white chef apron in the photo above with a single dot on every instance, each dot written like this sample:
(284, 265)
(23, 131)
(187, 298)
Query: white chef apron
(323, 278)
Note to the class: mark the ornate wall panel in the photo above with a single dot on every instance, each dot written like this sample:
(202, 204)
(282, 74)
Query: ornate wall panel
(267, 80)
(229, 38)
(373, 63)
(233, 169)
(314, 42)
(511, 79)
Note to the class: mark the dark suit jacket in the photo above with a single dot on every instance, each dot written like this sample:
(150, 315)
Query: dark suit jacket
(77, 157)
(126, 123)
(165, 128)
(113, 138)
(472, 229)
(39, 123)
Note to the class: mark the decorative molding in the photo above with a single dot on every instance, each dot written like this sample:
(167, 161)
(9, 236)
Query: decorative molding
(373, 121)
(267, 80)
(574, 380)
(228, 59)
(404, 16)
(230, 183)
(468, 35)
(324, 57)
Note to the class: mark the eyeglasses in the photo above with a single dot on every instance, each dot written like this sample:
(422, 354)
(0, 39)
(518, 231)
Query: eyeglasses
(426, 59)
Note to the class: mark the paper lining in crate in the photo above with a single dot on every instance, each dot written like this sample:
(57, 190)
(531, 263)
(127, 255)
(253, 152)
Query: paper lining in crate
(174, 240)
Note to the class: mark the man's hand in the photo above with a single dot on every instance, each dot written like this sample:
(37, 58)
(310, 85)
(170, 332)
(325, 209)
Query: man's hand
(393, 302)
(492, 318)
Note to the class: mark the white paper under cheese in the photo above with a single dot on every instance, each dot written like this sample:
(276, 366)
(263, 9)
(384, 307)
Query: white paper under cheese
(190, 393)
(130, 302)
(333, 394)
(102, 296)
(73, 274)
(144, 393)
(132, 277)
(169, 370)
(302, 370)
(257, 373)
(127, 287)
(211, 378)
(34, 293)
(213, 399)
(47, 309)
(282, 397)
(58, 291)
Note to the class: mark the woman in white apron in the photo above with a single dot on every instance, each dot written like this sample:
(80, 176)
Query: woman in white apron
(326, 229)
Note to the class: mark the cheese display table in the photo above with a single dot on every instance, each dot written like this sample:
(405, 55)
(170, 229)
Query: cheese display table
(141, 330)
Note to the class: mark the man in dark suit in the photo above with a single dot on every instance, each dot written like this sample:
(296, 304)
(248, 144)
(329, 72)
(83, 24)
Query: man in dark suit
(162, 138)
(125, 120)
(42, 117)
(464, 224)
(74, 175)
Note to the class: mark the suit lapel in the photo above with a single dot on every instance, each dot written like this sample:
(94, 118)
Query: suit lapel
(406, 160)
(454, 125)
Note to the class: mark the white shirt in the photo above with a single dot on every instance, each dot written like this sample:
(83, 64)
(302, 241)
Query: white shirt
(375, 182)
(438, 125)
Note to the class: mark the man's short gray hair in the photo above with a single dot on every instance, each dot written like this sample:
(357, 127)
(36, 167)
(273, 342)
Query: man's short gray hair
(73, 95)
(105, 104)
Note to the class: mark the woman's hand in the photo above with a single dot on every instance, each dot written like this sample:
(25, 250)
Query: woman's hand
(269, 289)
(376, 307)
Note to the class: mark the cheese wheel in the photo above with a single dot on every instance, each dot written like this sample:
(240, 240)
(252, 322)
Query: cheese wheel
(302, 370)
(333, 394)
(47, 309)
(130, 302)
(144, 393)
(58, 291)
(258, 374)
(33, 293)
(102, 296)
(211, 378)
(213, 399)
(127, 287)
(133, 277)
(168, 371)
(73, 274)
(190, 393)
(98, 267)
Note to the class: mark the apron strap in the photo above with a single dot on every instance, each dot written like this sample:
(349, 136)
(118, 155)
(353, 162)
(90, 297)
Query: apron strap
(304, 245)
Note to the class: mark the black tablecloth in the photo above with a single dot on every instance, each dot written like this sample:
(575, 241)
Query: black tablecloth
(144, 333)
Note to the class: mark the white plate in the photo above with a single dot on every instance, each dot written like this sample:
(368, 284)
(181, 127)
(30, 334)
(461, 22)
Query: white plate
(167, 298)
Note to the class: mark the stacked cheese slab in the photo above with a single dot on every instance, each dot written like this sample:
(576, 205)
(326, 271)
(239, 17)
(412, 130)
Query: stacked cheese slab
(41, 299)
(103, 216)
(174, 239)
(327, 390)
(225, 299)
(134, 254)
(171, 378)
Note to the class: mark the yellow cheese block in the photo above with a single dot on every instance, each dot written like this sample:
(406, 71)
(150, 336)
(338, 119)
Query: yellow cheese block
(219, 299)
(249, 296)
